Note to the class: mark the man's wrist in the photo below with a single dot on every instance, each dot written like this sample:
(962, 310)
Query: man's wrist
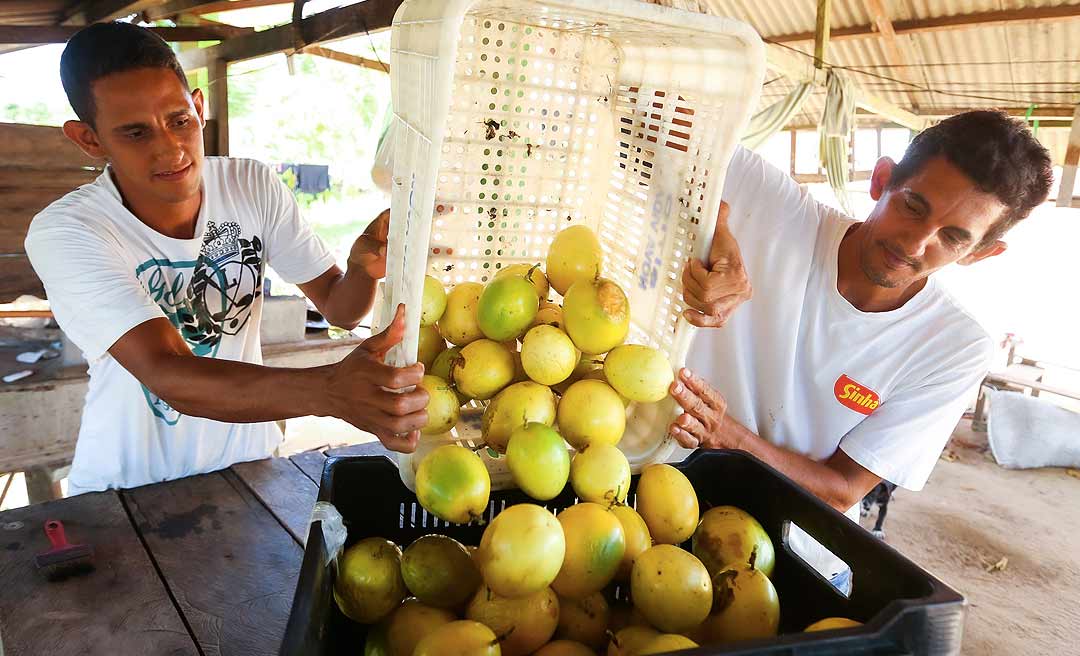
(326, 397)
(730, 437)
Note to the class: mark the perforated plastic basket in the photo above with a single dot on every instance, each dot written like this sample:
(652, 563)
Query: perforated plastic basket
(516, 119)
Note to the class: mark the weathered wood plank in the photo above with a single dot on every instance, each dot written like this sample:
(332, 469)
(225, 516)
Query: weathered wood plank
(17, 209)
(72, 616)
(218, 110)
(60, 180)
(39, 422)
(17, 277)
(1067, 188)
(42, 146)
(199, 7)
(228, 562)
(337, 23)
(42, 485)
(85, 12)
(347, 58)
(309, 353)
(40, 415)
(285, 490)
(311, 463)
(27, 34)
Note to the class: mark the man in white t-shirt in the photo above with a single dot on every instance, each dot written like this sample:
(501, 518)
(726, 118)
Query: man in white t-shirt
(851, 364)
(155, 271)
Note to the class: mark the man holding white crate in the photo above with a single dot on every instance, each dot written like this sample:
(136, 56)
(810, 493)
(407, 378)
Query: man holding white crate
(851, 364)
(155, 271)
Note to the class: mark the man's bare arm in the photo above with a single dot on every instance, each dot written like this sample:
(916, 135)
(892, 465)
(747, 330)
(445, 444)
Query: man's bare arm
(839, 481)
(357, 389)
(345, 297)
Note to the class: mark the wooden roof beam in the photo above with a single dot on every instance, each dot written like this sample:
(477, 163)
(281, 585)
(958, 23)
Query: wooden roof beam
(939, 23)
(34, 34)
(894, 51)
(347, 58)
(1039, 113)
(878, 105)
(97, 11)
(339, 23)
(199, 7)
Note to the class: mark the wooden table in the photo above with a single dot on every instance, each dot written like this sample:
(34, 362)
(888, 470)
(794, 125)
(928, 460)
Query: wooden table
(205, 565)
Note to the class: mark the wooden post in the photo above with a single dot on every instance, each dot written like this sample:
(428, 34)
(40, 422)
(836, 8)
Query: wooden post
(1068, 167)
(42, 485)
(793, 148)
(219, 103)
(821, 33)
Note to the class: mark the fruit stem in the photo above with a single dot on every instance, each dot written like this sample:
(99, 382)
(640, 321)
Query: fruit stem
(615, 497)
(503, 637)
(753, 558)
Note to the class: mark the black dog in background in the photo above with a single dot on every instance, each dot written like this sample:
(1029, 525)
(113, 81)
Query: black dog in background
(880, 495)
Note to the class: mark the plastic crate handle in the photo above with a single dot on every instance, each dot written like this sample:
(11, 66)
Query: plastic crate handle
(704, 233)
(333, 528)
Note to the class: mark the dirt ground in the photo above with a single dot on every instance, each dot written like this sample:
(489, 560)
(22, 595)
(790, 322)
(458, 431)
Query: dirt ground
(971, 515)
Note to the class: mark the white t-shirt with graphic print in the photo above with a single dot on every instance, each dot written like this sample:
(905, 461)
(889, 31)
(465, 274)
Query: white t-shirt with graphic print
(105, 272)
(806, 370)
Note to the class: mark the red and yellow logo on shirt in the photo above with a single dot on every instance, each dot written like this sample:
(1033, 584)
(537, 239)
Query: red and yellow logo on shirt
(855, 396)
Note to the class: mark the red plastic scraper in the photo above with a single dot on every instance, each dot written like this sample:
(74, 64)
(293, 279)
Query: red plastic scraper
(64, 559)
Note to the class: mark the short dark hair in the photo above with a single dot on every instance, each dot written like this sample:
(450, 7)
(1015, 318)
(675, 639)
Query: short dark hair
(106, 48)
(998, 152)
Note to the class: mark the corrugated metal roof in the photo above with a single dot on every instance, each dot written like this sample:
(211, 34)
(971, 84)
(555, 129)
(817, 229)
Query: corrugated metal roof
(777, 17)
(1010, 65)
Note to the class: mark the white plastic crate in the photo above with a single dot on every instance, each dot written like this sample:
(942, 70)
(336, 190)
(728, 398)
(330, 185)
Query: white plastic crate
(617, 114)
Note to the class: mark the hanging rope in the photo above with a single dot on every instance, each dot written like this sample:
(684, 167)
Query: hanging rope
(837, 121)
(773, 118)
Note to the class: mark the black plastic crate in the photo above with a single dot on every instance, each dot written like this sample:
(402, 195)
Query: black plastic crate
(904, 608)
